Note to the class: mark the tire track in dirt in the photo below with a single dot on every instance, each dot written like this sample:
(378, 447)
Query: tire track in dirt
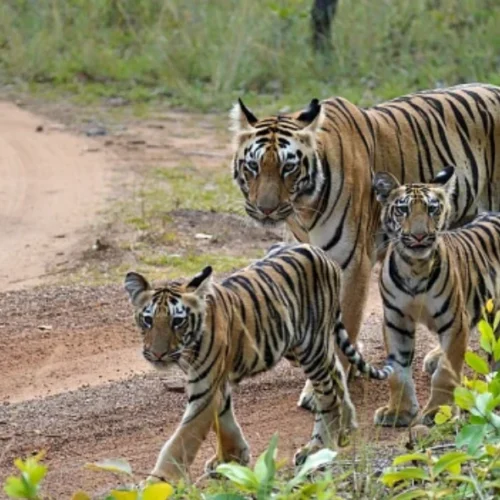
(52, 185)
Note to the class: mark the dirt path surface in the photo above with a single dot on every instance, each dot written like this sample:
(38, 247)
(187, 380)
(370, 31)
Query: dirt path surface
(52, 186)
(73, 381)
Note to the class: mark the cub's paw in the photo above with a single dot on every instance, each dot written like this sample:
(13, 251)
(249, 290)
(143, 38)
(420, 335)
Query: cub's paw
(431, 360)
(301, 455)
(241, 457)
(307, 401)
(388, 417)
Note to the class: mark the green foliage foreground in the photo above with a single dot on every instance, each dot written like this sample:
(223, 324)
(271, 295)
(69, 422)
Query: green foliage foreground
(471, 469)
(204, 54)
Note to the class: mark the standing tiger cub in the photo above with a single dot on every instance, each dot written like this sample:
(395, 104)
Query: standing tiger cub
(285, 305)
(432, 276)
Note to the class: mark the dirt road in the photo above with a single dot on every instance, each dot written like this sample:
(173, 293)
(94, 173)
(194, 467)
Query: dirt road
(72, 379)
(52, 185)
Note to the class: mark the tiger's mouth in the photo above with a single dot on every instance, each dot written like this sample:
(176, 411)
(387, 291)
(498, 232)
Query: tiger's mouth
(273, 219)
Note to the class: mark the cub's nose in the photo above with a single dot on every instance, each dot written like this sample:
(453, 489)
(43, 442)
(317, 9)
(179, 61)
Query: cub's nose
(267, 210)
(419, 236)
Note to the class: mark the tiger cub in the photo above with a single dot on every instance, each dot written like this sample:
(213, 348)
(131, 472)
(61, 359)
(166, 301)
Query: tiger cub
(432, 276)
(285, 305)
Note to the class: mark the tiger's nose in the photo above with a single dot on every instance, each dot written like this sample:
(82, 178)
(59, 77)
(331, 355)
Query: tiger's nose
(419, 236)
(267, 210)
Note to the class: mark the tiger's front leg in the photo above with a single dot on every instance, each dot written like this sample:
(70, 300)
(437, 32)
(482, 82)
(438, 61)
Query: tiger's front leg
(399, 335)
(231, 444)
(178, 453)
(448, 373)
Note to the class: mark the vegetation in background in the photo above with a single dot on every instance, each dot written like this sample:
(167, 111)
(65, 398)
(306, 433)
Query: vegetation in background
(202, 55)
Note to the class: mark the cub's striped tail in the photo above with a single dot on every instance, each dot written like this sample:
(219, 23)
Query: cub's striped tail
(355, 357)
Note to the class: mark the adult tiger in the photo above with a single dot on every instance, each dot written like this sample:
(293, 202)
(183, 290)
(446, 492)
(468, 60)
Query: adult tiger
(432, 276)
(313, 169)
(285, 305)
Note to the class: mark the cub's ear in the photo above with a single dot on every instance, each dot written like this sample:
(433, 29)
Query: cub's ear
(136, 284)
(241, 118)
(383, 184)
(312, 116)
(202, 282)
(444, 177)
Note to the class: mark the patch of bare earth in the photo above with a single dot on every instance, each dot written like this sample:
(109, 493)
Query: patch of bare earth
(73, 381)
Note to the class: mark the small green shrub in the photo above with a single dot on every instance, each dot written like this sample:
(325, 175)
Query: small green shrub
(472, 468)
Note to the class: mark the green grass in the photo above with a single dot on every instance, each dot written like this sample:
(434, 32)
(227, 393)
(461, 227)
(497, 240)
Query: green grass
(203, 55)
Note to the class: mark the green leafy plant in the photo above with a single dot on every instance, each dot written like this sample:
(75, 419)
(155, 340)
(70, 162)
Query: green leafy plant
(472, 468)
(27, 485)
(262, 482)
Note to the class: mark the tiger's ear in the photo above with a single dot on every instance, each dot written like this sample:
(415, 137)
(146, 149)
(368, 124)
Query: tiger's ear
(201, 284)
(312, 117)
(242, 119)
(136, 284)
(383, 184)
(445, 178)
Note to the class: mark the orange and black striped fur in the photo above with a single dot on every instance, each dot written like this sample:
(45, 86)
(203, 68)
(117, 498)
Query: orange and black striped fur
(441, 278)
(313, 169)
(285, 305)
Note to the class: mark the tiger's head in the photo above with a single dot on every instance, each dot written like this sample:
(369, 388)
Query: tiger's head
(171, 318)
(275, 163)
(413, 214)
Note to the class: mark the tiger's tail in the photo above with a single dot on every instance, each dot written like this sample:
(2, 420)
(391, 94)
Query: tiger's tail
(355, 357)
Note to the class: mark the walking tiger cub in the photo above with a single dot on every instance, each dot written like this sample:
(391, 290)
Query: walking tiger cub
(285, 305)
(432, 276)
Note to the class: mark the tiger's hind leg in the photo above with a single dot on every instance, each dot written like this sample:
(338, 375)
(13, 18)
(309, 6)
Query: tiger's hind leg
(231, 444)
(335, 415)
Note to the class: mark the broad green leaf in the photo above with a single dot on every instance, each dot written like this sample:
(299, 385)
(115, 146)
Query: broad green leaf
(496, 351)
(489, 306)
(472, 436)
(125, 494)
(492, 403)
(443, 415)
(496, 321)
(486, 338)
(241, 476)
(116, 465)
(402, 459)
(319, 459)
(392, 477)
(157, 491)
(32, 469)
(411, 494)
(482, 403)
(479, 386)
(463, 398)
(15, 488)
(494, 386)
(477, 363)
(449, 462)
(492, 449)
(80, 495)
(265, 466)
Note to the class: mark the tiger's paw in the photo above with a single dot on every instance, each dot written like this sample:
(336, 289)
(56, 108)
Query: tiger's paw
(388, 417)
(241, 457)
(431, 360)
(307, 401)
(301, 455)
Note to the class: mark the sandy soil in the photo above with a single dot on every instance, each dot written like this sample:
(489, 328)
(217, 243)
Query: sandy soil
(73, 381)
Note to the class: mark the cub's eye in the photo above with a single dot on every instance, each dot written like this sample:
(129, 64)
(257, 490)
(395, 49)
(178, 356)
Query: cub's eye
(147, 321)
(252, 166)
(433, 208)
(177, 322)
(288, 168)
(401, 209)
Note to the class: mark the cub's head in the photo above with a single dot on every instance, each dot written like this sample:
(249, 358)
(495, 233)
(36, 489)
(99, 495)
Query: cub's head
(275, 161)
(171, 318)
(413, 214)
